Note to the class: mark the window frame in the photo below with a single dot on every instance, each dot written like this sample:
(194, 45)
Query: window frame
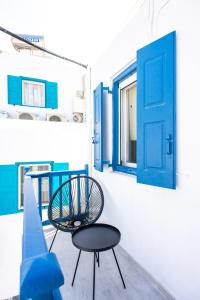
(33, 82)
(20, 189)
(116, 120)
(125, 85)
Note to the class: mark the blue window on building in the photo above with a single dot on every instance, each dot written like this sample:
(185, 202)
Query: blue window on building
(124, 121)
(32, 92)
(144, 122)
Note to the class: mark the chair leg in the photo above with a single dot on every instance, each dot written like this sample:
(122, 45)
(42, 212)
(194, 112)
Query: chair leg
(76, 267)
(118, 268)
(53, 240)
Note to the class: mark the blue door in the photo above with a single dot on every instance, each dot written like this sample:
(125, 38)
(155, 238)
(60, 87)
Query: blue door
(156, 148)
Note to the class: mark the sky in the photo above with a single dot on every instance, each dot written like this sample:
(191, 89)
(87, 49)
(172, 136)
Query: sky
(77, 29)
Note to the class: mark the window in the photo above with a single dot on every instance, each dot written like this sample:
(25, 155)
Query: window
(127, 117)
(124, 121)
(33, 93)
(144, 144)
(45, 183)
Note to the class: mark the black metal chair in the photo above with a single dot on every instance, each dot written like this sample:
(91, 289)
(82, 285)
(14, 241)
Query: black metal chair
(77, 202)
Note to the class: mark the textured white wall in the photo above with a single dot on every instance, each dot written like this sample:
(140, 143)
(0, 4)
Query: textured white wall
(25, 140)
(68, 77)
(160, 227)
(41, 140)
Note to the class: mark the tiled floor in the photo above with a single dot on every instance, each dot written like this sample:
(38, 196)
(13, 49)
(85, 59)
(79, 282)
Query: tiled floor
(140, 286)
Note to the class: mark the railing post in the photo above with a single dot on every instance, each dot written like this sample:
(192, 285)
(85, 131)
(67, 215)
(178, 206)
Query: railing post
(40, 196)
(61, 200)
(86, 169)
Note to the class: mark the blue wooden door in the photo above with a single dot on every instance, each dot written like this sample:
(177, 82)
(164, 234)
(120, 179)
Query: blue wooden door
(98, 128)
(156, 150)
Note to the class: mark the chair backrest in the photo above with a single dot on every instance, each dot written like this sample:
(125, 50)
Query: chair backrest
(78, 201)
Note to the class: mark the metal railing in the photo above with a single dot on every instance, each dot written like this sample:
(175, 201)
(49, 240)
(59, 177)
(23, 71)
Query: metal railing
(55, 179)
(40, 272)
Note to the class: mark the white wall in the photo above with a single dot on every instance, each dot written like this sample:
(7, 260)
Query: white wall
(68, 77)
(160, 227)
(25, 140)
(41, 140)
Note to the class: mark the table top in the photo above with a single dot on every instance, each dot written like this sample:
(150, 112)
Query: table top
(96, 237)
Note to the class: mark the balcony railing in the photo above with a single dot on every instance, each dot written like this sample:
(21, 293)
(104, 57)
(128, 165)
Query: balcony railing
(55, 179)
(40, 272)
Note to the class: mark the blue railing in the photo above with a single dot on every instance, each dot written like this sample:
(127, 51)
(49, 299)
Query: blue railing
(40, 272)
(55, 178)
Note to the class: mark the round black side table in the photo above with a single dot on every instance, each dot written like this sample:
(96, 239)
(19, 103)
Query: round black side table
(96, 238)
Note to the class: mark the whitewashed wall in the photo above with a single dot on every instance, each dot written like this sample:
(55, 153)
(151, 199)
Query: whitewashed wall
(41, 140)
(160, 227)
(68, 77)
(25, 140)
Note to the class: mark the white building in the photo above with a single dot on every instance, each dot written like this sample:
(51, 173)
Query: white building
(160, 226)
(159, 219)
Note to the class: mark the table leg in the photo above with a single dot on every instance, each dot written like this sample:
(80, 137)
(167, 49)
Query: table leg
(118, 268)
(94, 275)
(98, 260)
(76, 267)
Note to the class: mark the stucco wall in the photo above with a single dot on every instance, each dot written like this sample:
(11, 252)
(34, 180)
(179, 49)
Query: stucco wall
(68, 77)
(41, 140)
(160, 227)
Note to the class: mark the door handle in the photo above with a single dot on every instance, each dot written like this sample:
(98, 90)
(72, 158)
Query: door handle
(169, 142)
(93, 140)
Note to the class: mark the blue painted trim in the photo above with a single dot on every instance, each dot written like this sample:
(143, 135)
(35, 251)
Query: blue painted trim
(124, 169)
(174, 116)
(115, 99)
(33, 79)
(107, 89)
(56, 173)
(40, 272)
(126, 73)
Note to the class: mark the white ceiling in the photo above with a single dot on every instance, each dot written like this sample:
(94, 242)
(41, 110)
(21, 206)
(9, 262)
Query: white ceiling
(78, 29)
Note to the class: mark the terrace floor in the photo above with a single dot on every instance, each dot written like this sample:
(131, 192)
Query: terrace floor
(140, 285)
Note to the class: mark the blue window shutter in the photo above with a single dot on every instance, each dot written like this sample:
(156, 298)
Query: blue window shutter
(14, 90)
(8, 189)
(51, 94)
(59, 167)
(156, 150)
(98, 128)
